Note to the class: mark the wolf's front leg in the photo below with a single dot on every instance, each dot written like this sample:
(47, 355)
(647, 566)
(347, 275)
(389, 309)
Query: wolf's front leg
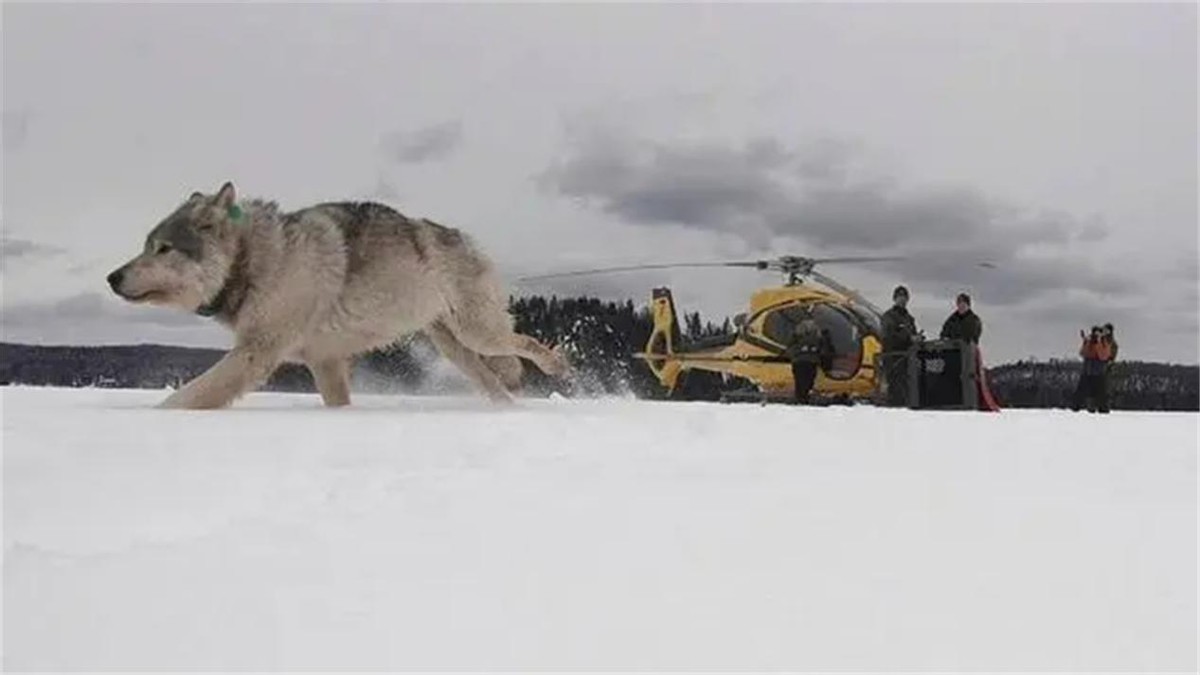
(242, 369)
(332, 377)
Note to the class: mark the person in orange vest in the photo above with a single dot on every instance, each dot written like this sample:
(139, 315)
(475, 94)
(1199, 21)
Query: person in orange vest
(1092, 390)
(1111, 337)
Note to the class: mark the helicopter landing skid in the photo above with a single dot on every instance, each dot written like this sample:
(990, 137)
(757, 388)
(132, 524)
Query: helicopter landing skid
(754, 396)
(745, 396)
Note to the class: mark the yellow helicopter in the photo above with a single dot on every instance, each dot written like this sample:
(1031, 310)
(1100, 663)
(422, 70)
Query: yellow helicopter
(755, 350)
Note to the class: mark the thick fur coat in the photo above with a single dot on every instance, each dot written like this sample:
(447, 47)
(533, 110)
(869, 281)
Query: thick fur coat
(321, 285)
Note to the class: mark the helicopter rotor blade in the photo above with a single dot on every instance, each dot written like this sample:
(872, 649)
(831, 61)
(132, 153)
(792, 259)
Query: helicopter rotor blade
(850, 292)
(857, 259)
(782, 264)
(757, 264)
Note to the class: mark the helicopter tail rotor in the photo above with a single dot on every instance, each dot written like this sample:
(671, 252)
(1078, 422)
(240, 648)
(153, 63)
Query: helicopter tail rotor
(665, 338)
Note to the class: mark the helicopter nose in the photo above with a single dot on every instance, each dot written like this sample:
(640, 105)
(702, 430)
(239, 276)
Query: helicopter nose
(115, 279)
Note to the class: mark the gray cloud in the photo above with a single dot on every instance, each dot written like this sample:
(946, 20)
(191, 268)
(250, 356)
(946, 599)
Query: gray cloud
(1027, 113)
(763, 189)
(23, 248)
(94, 318)
(423, 145)
(385, 190)
(632, 285)
(92, 306)
(15, 127)
(1187, 268)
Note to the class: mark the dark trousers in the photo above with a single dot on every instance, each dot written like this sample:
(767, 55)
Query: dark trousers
(804, 373)
(895, 372)
(1091, 391)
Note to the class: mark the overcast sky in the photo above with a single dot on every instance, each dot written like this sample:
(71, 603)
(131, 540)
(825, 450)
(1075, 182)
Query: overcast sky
(1056, 141)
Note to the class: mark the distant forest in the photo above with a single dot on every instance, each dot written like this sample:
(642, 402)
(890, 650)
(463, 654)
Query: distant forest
(600, 339)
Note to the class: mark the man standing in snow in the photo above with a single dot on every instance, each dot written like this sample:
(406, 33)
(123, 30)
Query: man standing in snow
(899, 334)
(963, 324)
(805, 354)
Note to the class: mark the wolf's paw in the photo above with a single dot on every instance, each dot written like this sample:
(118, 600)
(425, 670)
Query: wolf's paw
(173, 402)
(185, 400)
(502, 399)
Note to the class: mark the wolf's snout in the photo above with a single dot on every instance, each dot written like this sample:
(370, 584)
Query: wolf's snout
(115, 279)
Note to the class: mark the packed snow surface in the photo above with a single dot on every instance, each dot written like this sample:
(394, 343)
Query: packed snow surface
(444, 533)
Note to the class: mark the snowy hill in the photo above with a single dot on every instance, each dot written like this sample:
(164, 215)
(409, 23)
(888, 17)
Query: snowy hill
(442, 533)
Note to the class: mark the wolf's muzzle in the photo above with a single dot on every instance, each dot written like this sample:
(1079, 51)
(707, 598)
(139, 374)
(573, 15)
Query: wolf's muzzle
(115, 279)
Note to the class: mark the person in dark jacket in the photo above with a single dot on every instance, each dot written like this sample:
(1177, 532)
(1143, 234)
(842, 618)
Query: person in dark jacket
(826, 351)
(809, 347)
(963, 324)
(899, 335)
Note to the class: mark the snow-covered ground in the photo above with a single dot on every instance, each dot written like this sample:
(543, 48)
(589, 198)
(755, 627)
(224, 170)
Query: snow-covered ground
(441, 533)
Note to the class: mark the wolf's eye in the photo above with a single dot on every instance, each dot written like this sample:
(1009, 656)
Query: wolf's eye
(163, 247)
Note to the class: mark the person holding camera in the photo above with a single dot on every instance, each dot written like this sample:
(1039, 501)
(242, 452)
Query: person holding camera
(1110, 335)
(1096, 351)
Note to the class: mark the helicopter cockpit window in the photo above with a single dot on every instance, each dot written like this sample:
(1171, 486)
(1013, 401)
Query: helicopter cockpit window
(869, 318)
(779, 327)
(847, 340)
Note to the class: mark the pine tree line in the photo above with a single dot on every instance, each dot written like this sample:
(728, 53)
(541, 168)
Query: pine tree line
(600, 338)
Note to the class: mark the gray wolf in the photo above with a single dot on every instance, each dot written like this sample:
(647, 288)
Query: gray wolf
(321, 285)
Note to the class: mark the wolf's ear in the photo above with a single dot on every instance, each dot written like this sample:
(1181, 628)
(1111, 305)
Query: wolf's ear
(195, 195)
(226, 197)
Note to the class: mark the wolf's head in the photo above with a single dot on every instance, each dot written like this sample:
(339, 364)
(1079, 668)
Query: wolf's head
(188, 256)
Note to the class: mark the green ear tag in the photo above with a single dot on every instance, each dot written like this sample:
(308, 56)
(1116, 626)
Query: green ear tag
(235, 212)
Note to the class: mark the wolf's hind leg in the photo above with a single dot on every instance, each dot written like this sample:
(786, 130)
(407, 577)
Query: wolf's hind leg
(493, 336)
(550, 361)
(468, 362)
(333, 380)
(509, 369)
(479, 318)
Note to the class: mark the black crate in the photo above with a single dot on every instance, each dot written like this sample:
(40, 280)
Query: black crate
(941, 376)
